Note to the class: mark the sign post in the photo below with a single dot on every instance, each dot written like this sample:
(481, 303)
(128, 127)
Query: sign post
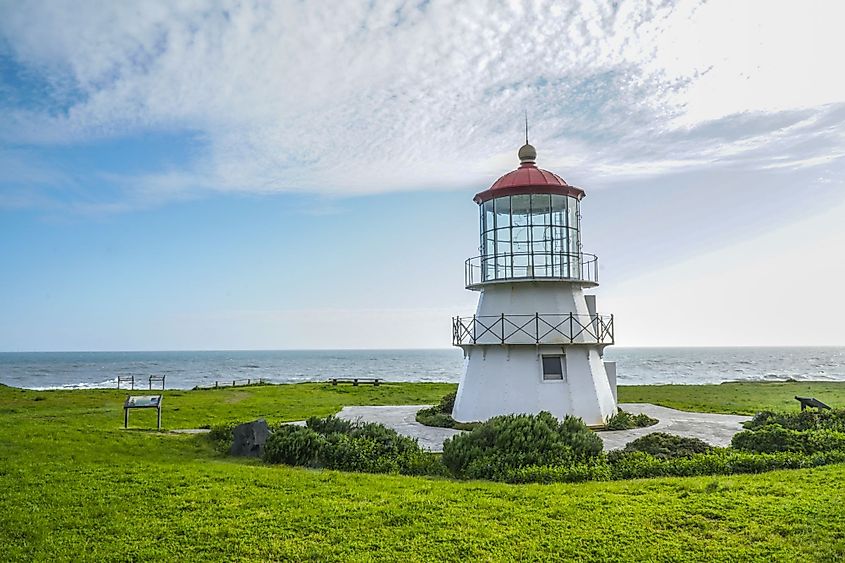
(145, 402)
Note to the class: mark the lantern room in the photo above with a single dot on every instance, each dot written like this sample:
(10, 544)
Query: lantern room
(530, 229)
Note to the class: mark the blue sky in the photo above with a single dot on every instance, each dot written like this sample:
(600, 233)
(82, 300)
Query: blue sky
(287, 175)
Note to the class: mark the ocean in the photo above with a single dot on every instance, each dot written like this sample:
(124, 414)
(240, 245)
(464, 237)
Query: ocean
(185, 370)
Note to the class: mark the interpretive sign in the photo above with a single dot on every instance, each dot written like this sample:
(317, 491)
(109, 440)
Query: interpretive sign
(143, 402)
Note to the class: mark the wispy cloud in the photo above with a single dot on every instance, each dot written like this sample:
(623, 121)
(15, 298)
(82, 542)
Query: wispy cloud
(356, 98)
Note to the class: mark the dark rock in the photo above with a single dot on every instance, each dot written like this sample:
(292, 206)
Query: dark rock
(249, 438)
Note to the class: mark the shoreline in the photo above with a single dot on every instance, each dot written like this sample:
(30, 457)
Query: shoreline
(265, 383)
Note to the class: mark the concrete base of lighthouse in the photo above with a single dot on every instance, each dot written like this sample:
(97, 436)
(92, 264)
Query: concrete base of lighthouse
(501, 380)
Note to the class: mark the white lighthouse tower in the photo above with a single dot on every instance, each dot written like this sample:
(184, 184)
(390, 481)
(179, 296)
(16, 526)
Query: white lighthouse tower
(536, 341)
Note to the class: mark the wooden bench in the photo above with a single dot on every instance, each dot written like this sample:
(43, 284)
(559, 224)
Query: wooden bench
(356, 380)
(811, 402)
(157, 379)
(130, 379)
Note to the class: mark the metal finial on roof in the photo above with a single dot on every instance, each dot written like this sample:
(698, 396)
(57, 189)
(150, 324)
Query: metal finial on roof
(526, 127)
(527, 154)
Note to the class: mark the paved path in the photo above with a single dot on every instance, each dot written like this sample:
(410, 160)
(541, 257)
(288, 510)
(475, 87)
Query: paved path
(403, 420)
(715, 429)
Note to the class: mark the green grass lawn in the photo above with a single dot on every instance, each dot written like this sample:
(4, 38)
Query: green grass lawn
(75, 486)
(734, 398)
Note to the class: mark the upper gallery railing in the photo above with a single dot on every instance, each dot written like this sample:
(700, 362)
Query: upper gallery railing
(532, 329)
(580, 267)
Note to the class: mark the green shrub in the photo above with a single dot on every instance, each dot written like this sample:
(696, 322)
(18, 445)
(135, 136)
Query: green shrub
(329, 425)
(343, 452)
(433, 417)
(421, 462)
(622, 420)
(719, 461)
(388, 440)
(430, 417)
(775, 438)
(440, 415)
(447, 403)
(597, 470)
(333, 443)
(222, 435)
(800, 421)
(293, 445)
(666, 446)
(504, 443)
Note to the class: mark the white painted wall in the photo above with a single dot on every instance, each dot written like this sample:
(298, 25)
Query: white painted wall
(528, 298)
(610, 369)
(509, 379)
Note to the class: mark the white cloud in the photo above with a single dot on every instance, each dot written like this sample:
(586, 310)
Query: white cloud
(355, 98)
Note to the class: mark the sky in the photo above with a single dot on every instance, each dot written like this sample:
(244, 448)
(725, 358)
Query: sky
(286, 175)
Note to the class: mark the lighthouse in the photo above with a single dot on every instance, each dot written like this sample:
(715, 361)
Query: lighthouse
(536, 341)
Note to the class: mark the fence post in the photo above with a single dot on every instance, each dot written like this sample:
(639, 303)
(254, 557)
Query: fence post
(537, 328)
(571, 328)
(503, 328)
(612, 331)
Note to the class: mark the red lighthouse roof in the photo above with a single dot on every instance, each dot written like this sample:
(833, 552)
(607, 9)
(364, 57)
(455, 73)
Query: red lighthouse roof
(528, 179)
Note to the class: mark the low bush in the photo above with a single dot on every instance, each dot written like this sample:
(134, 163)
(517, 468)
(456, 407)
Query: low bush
(329, 425)
(447, 403)
(666, 446)
(775, 438)
(440, 415)
(333, 443)
(623, 420)
(221, 436)
(598, 470)
(494, 449)
(720, 461)
(800, 421)
(294, 445)
(433, 417)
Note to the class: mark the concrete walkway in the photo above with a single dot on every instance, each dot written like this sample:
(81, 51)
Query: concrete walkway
(403, 420)
(715, 429)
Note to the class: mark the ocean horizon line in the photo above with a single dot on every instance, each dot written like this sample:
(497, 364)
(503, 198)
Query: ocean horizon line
(418, 349)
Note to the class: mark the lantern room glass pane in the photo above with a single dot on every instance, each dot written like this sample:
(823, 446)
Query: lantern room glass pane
(541, 239)
(488, 216)
(521, 240)
(540, 209)
(572, 212)
(503, 240)
(520, 210)
(503, 211)
(559, 210)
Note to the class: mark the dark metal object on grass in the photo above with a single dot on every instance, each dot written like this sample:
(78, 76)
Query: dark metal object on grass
(811, 402)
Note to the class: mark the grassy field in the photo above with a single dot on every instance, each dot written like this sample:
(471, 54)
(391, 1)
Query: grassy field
(75, 486)
(734, 398)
